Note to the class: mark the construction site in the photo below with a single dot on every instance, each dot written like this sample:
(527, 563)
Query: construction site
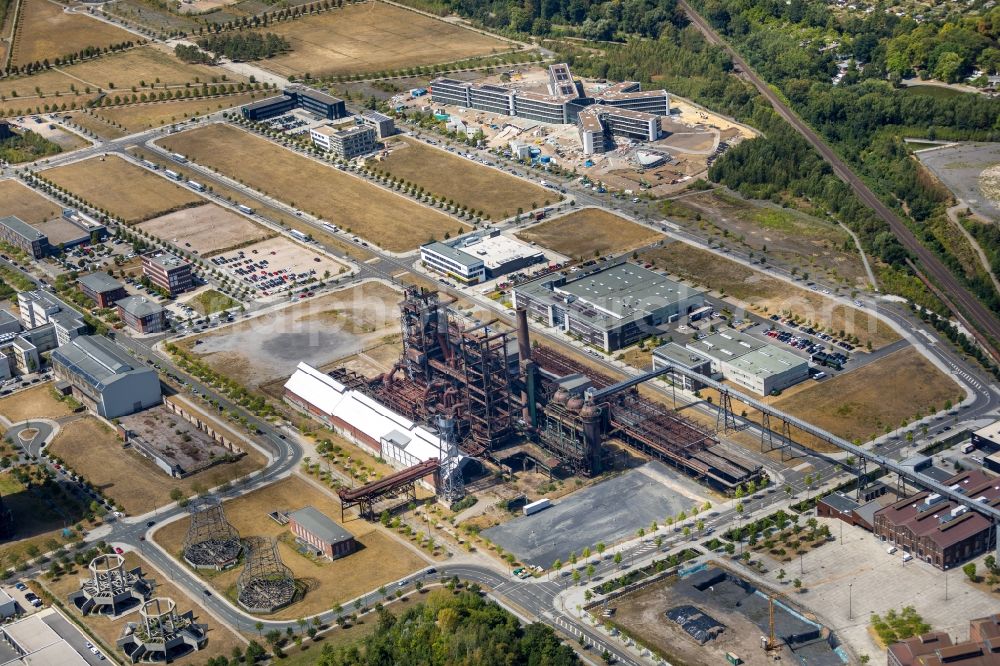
(466, 389)
(712, 610)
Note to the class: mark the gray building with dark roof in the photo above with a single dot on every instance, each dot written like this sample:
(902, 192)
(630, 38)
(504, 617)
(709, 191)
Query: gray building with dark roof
(610, 306)
(318, 531)
(18, 233)
(103, 377)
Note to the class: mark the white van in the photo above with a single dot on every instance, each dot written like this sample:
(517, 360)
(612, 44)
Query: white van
(890, 550)
(907, 557)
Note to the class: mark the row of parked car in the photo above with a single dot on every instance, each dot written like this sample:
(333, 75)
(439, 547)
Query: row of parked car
(808, 330)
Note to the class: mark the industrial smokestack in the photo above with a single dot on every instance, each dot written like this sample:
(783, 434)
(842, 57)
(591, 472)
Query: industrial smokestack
(523, 342)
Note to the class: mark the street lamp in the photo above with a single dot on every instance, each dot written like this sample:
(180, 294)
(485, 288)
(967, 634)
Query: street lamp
(850, 601)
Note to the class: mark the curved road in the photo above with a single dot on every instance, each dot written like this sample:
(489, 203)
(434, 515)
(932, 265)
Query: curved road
(983, 322)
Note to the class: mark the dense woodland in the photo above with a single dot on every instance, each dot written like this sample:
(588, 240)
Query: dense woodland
(454, 630)
(864, 116)
(26, 146)
(240, 46)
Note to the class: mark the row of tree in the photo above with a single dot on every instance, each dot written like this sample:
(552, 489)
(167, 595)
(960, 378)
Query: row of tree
(450, 629)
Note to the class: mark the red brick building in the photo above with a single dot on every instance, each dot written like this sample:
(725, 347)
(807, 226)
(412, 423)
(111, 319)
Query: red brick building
(936, 648)
(319, 532)
(937, 530)
(167, 272)
(102, 289)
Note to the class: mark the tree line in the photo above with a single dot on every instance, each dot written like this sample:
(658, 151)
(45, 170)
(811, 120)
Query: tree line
(454, 629)
(863, 116)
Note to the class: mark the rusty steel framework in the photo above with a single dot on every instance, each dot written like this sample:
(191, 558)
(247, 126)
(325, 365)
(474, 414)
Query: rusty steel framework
(448, 370)
(402, 484)
(574, 429)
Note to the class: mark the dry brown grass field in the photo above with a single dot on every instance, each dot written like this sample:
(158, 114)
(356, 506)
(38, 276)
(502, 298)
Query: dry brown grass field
(860, 404)
(766, 294)
(380, 560)
(25, 203)
(389, 220)
(371, 37)
(124, 189)
(19, 92)
(151, 64)
(478, 187)
(139, 117)
(205, 229)
(46, 31)
(221, 640)
(35, 402)
(276, 214)
(95, 452)
(588, 232)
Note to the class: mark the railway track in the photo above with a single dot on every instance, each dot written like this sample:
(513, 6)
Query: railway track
(966, 307)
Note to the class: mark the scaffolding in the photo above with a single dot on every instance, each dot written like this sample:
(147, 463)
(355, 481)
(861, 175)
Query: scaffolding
(211, 541)
(265, 584)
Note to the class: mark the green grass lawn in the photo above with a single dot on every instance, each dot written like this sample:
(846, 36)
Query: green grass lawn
(211, 301)
(9, 485)
(937, 92)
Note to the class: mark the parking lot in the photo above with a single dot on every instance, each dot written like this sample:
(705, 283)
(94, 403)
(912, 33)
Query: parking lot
(276, 266)
(846, 583)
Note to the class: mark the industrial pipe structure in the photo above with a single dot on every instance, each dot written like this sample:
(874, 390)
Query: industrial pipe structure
(984, 509)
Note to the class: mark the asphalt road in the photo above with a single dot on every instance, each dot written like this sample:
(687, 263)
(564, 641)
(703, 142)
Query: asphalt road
(978, 317)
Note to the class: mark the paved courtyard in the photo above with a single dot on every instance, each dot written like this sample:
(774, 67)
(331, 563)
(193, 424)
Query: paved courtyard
(607, 512)
(847, 583)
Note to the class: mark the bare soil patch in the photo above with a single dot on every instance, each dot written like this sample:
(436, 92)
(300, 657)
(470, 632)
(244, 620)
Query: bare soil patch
(205, 230)
(35, 402)
(815, 245)
(318, 331)
(46, 31)
(860, 404)
(139, 117)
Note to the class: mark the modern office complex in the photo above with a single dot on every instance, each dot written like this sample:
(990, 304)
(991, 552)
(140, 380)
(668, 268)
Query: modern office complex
(15, 231)
(749, 362)
(102, 289)
(101, 375)
(296, 97)
(619, 110)
(142, 314)
(345, 143)
(167, 272)
(39, 308)
(937, 530)
(610, 306)
(478, 257)
(383, 124)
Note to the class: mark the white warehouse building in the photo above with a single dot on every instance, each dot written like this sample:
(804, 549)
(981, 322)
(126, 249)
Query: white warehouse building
(373, 426)
(751, 363)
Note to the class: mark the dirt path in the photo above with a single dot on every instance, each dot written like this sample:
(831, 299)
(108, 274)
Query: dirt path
(983, 259)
